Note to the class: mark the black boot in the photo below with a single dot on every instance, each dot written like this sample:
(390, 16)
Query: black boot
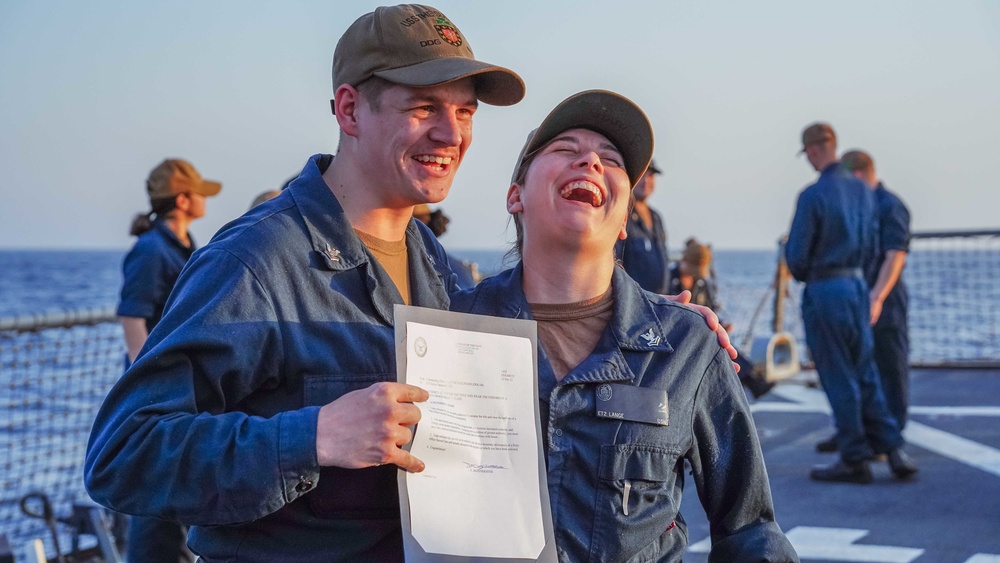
(758, 386)
(753, 378)
(827, 446)
(901, 464)
(843, 472)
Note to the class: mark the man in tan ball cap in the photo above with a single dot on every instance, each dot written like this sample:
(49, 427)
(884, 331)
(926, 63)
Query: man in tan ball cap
(264, 409)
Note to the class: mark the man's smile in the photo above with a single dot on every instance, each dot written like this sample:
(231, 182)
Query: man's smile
(432, 162)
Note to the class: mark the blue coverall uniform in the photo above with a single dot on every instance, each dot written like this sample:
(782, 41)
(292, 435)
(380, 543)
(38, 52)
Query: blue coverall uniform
(834, 235)
(215, 423)
(892, 339)
(644, 254)
(150, 271)
(615, 485)
(463, 272)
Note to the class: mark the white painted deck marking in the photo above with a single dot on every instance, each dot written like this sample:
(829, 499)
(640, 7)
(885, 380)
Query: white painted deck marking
(802, 395)
(955, 447)
(835, 544)
(804, 402)
(956, 411)
(983, 558)
(962, 450)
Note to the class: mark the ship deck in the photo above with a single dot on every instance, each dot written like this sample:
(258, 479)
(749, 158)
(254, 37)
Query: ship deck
(948, 513)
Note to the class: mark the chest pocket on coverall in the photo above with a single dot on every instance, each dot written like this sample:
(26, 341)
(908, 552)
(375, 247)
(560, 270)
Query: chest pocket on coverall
(350, 493)
(634, 505)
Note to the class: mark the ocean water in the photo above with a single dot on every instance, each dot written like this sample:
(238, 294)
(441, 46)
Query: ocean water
(38, 281)
(33, 281)
(951, 316)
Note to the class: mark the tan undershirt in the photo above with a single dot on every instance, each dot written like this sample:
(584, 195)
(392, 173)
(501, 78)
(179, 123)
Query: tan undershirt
(569, 332)
(393, 257)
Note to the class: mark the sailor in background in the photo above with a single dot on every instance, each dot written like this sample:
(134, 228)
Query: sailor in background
(437, 221)
(643, 253)
(177, 196)
(887, 291)
(694, 273)
(834, 234)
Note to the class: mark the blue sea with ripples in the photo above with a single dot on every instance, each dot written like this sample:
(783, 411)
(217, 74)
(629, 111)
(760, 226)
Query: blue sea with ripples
(37, 281)
(33, 281)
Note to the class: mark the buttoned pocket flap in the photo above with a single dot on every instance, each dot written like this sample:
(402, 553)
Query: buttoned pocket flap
(636, 462)
(323, 389)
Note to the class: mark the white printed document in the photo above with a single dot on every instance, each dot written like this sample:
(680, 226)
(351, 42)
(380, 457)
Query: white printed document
(483, 494)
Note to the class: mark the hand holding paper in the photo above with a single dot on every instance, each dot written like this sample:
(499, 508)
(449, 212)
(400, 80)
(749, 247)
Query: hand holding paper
(367, 427)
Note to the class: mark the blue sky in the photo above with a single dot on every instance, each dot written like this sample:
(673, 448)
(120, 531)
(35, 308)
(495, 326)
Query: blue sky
(95, 94)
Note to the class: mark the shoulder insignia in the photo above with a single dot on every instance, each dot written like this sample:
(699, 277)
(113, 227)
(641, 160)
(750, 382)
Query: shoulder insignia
(332, 253)
(650, 338)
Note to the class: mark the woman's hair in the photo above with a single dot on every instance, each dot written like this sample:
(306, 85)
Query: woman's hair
(513, 254)
(698, 257)
(161, 207)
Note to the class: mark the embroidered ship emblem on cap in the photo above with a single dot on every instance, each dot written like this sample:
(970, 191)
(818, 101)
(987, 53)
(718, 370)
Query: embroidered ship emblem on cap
(650, 338)
(447, 32)
(332, 253)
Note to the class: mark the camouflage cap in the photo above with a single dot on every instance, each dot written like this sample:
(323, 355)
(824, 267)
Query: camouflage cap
(415, 45)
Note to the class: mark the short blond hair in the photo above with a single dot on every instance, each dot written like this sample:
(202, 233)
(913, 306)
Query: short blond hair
(857, 161)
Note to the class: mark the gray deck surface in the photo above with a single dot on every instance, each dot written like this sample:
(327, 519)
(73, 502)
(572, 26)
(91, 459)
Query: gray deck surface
(949, 513)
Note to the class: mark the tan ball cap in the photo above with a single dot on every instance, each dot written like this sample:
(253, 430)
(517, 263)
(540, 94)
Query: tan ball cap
(817, 133)
(416, 45)
(176, 176)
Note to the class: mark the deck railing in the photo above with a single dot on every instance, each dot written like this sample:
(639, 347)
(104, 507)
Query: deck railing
(55, 369)
(953, 281)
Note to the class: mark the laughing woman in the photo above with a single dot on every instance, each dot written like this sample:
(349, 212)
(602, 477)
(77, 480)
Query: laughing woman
(615, 478)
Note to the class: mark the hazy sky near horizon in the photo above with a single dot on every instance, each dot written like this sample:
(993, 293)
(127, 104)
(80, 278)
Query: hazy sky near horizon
(94, 94)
